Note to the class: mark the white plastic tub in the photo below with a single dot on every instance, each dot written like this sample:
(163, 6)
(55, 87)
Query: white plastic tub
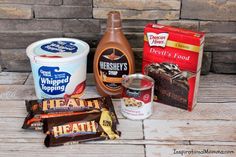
(59, 66)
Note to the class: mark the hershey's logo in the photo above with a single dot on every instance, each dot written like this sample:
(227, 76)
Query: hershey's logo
(75, 128)
(55, 104)
(113, 66)
(157, 39)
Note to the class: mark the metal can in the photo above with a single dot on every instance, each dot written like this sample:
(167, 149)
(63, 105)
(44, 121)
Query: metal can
(137, 96)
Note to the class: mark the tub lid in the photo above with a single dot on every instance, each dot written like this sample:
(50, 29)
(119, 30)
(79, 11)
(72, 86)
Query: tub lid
(57, 49)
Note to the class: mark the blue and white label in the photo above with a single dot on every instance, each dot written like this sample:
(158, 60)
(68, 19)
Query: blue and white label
(52, 81)
(60, 47)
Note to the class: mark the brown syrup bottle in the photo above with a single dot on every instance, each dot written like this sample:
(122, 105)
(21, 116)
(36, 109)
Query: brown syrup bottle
(113, 58)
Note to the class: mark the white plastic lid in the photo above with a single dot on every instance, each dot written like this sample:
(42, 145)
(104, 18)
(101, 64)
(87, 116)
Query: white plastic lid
(57, 50)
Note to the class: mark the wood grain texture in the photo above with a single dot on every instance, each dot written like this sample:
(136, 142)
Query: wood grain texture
(202, 111)
(15, 60)
(218, 80)
(217, 94)
(17, 92)
(213, 143)
(82, 150)
(29, 80)
(203, 130)
(12, 78)
(12, 109)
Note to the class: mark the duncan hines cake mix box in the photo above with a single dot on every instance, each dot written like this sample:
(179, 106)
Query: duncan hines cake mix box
(172, 57)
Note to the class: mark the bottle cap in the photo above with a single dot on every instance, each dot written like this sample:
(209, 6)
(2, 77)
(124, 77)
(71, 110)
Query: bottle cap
(114, 20)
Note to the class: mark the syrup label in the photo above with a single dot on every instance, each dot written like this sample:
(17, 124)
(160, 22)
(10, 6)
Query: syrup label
(112, 64)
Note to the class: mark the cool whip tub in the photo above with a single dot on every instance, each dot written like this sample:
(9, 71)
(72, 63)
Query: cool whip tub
(58, 66)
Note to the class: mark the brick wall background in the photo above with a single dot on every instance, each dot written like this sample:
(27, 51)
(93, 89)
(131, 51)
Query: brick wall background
(25, 21)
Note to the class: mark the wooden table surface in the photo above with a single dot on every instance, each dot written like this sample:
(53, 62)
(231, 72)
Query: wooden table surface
(168, 132)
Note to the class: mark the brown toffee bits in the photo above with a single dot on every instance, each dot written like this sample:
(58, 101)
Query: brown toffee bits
(75, 129)
(49, 108)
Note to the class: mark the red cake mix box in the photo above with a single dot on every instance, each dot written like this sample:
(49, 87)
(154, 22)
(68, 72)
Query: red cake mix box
(172, 57)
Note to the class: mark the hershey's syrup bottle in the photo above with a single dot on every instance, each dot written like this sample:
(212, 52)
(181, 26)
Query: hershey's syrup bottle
(113, 58)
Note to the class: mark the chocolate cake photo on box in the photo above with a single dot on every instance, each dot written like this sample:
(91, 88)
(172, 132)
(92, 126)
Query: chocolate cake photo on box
(171, 84)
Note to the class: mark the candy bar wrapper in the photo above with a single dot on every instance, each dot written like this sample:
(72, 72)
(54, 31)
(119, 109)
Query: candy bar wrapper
(76, 129)
(38, 110)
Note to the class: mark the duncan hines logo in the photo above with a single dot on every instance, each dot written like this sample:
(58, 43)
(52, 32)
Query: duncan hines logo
(157, 39)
